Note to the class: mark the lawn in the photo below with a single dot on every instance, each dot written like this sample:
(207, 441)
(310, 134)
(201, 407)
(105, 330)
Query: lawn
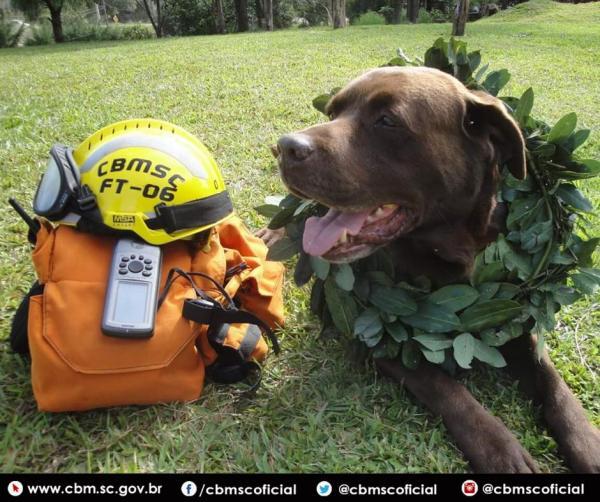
(317, 410)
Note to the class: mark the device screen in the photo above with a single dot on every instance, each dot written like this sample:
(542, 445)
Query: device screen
(131, 305)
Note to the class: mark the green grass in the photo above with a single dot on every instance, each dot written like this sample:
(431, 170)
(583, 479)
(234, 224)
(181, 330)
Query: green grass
(317, 410)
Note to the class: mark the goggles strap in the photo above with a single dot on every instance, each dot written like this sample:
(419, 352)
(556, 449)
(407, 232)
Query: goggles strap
(197, 213)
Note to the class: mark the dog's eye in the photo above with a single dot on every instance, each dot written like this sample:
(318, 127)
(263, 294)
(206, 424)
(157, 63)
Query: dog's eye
(385, 121)
(331, 116)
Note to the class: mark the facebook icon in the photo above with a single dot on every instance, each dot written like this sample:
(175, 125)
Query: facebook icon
(189, 488)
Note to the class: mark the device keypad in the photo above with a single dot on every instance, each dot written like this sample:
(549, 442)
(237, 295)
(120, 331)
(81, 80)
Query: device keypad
(136, 264)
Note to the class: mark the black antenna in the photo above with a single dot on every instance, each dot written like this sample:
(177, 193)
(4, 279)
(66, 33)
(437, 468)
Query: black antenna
(33, 225)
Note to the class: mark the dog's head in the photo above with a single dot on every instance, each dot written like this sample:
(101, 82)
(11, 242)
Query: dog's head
(409, 152)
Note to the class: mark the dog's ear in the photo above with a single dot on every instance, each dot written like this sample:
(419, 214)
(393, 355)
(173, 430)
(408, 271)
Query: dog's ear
(487, 117)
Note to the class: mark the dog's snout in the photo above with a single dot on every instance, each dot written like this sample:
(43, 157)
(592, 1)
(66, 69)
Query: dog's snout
(295, 147)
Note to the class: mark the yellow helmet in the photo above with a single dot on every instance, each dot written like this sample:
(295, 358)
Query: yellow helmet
(148, 177)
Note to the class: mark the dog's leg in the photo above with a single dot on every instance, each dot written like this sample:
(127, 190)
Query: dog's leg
(578, 440)
(484, 440)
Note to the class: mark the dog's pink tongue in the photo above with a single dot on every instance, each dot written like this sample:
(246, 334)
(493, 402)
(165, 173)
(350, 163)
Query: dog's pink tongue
(321, 234)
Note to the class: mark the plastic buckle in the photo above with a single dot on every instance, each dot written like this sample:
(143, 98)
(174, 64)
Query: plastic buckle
(166, 218)
(86, 200)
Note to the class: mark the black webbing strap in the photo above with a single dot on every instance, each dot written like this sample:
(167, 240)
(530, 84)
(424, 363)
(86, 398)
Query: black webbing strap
(204, 312)
(197, 213)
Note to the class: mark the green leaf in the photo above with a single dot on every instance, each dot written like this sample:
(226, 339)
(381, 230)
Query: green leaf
(282, 250)
(587, 280)
(433, 341)
(435, 58)
(411, 354)
(317, 298)
(362, 287)
(290, 201)
(563, 128)
(513, 260)
(534, 238)
(320, 266)
(464, 347)
(496, 80)
(507, 291)
(433, 319)
(474, 60)
(488, 290)
(303, 271)
(489, 314)
(565, 295)
(397, 331)
(489, 355)
(283, 217)
(268, 210)
(368, 327)
(481, 72)
(381, 278)
(545, 150)
(397, 61)
(392, 300)
(495, 338)
(303, 206)
(320, 102)
(274, 200)
(434, 356)
(341, 306)
(573, 197)
(577, 139)
(523, 211)
(344, 276)
(591, 166)
(524, 107)
(561, 258)
(387, 349)
(584, 250)
(455, 297)
(489, 273)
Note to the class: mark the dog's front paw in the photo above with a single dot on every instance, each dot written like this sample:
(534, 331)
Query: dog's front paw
(582, 449)
(501, 453)
(269, 236)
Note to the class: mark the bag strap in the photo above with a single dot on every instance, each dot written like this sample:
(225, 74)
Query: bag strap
(214, 314)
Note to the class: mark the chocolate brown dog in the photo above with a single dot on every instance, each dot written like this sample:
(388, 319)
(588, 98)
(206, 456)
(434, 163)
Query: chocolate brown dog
(410, 160)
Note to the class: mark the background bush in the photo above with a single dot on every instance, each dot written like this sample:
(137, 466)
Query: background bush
(40, 34)
(369, 17)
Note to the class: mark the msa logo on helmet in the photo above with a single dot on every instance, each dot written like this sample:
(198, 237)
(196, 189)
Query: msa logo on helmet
(149, 190)
(123, 219)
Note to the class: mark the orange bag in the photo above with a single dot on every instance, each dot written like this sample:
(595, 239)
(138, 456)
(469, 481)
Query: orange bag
(74, 366)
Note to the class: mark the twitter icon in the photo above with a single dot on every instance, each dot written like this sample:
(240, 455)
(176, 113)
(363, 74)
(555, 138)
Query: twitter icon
(324, 488)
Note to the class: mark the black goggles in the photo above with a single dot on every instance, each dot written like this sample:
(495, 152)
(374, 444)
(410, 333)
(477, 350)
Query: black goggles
(60, 186)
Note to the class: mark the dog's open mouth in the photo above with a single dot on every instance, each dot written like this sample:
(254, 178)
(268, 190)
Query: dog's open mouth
(340, 236)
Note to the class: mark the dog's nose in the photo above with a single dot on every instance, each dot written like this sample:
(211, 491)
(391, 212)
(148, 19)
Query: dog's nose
(296, 147)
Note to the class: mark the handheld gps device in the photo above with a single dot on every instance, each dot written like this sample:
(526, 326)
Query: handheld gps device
(132, 290)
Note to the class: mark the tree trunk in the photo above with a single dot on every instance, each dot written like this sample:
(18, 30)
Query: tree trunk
(338, 13)
(260, 13)
(461, 14)
(156, 23)
(268, 14)
(159, 21)
(219, 16)
(397, 4)
(56, 20)
(412, 10)
(241, 15)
